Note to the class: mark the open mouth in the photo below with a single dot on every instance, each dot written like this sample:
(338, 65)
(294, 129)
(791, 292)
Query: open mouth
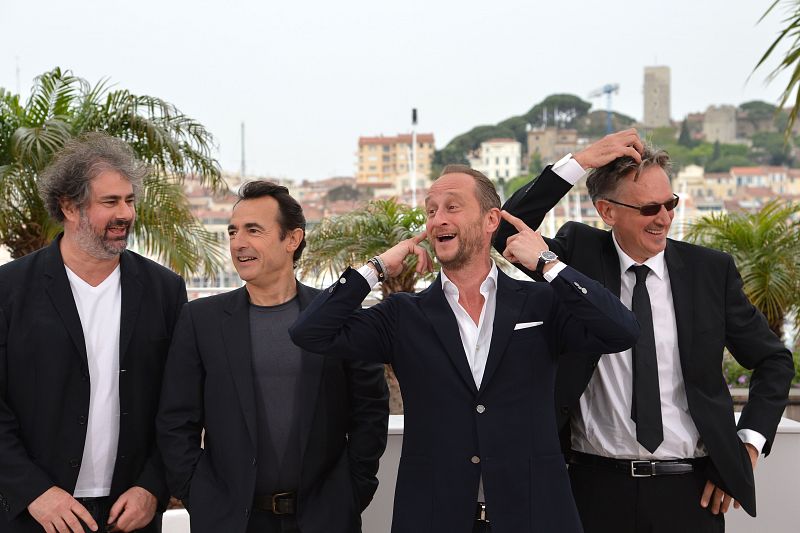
(245, 258)
(117, 230)
(444, 237)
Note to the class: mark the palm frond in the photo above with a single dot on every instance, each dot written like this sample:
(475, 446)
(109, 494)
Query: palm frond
(166, 228)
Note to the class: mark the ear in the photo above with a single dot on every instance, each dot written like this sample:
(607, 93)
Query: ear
(70, 210)
(607, 211)
(492, 220)
(293, 239)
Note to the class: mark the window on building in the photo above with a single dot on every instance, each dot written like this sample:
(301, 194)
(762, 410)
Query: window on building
(386, 159)
(386, 148)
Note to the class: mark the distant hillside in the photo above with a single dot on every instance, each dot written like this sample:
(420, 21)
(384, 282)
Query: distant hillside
(567, 110)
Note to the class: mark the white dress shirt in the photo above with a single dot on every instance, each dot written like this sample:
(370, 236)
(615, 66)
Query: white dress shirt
(475, 338)
(602, 425)
(99, 309)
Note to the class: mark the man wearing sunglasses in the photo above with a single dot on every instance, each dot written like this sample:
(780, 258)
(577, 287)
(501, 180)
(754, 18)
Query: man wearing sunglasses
(651, 429)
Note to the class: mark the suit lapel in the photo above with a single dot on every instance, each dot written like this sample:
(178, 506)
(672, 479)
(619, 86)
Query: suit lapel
(60, 293)
(681, 280)
(434, 304)
(131, 302)
(310, 377)
(610, 260)
(236, 336)
(509, 303)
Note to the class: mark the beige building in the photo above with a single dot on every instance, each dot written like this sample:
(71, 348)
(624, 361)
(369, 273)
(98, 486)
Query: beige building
(719, 124)
(385, 162)
(552, 143)
(656, 97)
(498, 158)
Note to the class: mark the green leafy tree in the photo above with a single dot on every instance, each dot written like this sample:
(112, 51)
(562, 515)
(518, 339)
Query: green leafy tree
(355, 237)
(766, 248)
(685, 137)
(62, 106)
(717, 153)
(771, 148)
(725, 162)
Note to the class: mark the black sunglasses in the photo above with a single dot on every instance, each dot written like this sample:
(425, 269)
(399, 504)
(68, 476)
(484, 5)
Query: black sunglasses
(650, 209)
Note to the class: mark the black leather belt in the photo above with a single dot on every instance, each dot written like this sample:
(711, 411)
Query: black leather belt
(480, 513)
(279, 503)
(636, 468)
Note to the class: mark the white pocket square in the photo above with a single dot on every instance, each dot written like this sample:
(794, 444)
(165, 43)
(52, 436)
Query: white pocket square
(523, 325)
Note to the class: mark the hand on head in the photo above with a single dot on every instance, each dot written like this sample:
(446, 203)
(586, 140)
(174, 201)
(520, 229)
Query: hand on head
(394, 257)
(611, 147)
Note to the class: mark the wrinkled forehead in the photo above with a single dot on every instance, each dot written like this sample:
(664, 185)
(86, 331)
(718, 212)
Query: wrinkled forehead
(651, 184)
(458, 186)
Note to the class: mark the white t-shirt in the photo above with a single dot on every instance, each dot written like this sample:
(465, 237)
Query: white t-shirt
(99, 309)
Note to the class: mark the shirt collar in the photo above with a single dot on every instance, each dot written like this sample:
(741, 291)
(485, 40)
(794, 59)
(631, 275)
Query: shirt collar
(488, 284)
(655, 263)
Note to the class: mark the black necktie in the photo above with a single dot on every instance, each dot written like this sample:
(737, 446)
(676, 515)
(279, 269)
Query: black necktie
(646, 402)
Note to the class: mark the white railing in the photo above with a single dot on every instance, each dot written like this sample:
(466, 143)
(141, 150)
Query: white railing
(777, 487)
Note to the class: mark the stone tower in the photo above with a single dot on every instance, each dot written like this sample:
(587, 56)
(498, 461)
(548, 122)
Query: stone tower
(656, 97)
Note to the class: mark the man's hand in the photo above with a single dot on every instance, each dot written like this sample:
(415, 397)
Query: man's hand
(720, 500)
(57, 510)
(525, 246)
(609, 148)
(133, 510)
(393, 258)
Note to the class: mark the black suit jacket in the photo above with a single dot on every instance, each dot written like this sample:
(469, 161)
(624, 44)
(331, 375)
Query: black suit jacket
(454, 431)
(343, 417)
(711, 311)
(44, 379)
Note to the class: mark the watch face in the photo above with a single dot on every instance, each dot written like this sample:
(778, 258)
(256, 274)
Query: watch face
(548, 256)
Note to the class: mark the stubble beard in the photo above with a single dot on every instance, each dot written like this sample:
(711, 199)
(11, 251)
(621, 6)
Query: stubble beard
(99, 246)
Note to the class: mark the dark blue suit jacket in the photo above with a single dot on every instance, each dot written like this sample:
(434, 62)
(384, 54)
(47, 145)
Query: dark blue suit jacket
(449, 443)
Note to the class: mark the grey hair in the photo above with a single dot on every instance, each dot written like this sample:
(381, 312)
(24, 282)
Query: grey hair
(602, 182)
(81, 160)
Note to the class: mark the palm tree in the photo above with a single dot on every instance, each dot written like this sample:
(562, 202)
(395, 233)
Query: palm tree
(352, 239)
(790, 60)
(766, 248)
(63, 106)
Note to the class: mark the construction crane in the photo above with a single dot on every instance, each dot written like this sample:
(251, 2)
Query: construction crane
(608, 90)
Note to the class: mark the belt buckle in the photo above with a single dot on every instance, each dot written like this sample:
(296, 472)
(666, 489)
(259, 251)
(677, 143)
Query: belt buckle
(634, 464)
(277, 496)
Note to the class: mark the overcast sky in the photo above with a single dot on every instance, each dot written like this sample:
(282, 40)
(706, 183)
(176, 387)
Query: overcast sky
(308, 78)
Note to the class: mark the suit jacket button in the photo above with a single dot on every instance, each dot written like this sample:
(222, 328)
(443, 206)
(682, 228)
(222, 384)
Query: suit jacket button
(74, 463)
(81, 420)
(564, 409)
(342, 281)
(254, 461)
(480, 408)
(475, 459)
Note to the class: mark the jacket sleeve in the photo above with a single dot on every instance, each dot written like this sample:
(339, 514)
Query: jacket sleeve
(588, 318)
(334, 323)
(153, 475)
(21, 479)
(179, 423)
(368, 426)
(531, 203)
(756, 347)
